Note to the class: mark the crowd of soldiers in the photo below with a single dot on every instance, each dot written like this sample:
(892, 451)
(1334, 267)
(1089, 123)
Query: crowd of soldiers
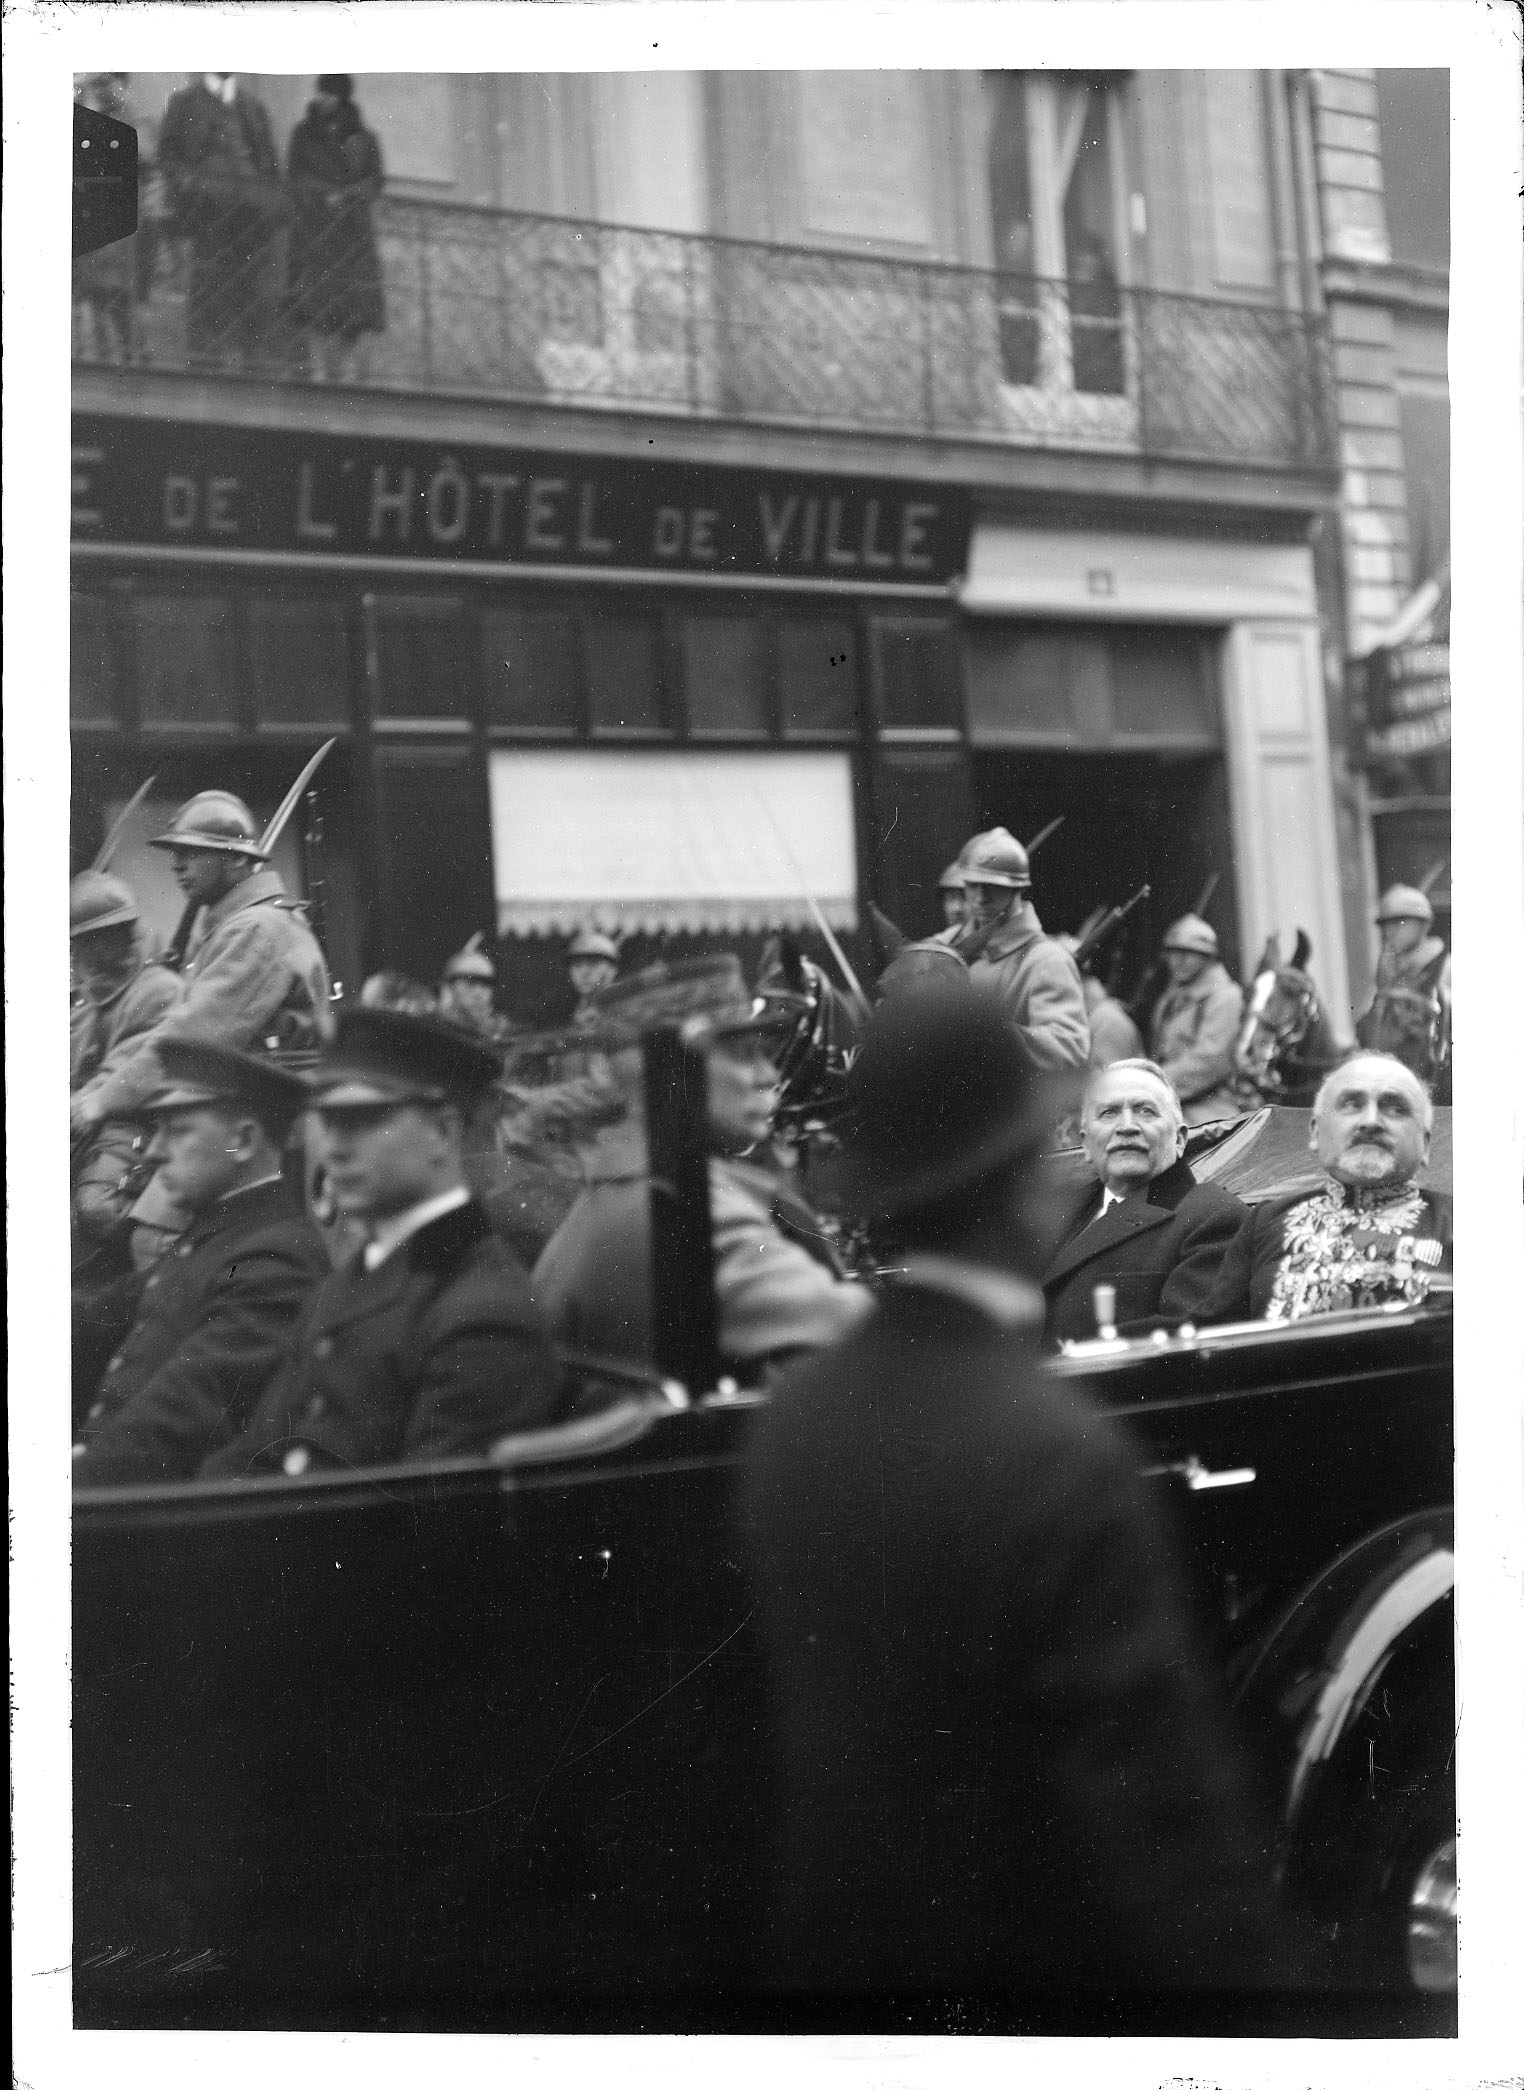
(317, 1257)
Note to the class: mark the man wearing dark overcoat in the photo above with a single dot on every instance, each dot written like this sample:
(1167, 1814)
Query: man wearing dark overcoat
(426, 1344)
(1143, 1225)
(219, 163)
(1371, 1236)
(212, 1318)
(1001, 1767)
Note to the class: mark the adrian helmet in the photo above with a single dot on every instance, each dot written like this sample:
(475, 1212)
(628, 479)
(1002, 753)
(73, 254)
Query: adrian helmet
(1191, 933)
(99, 901)
(996, 858)
(591, 945)
(1404, 903)
(471, 962)
(214, 820)
(952, 878)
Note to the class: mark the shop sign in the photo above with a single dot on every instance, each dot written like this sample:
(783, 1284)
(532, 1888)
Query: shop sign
(235, 489)
(1407, 699)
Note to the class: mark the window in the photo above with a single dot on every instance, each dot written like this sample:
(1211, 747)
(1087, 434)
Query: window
(917, 676)
(299, 651)
(529, 667)
(725, 675)
(92, 663)
(1096, 688)
(185, 660)
(1055, 180)
(817, 674)
(624, 686)
(1415, 164)
(422, 670)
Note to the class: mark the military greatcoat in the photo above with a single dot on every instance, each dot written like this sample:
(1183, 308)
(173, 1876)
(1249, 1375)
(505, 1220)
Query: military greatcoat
(1192, 1035)
(1038, 988)
(433, 1354)
(213, 1320)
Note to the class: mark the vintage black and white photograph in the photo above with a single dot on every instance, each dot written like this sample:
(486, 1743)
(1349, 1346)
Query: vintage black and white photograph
(761, 1200)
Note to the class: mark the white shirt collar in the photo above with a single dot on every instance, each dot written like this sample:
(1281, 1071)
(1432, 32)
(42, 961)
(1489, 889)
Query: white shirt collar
(391, 1233)
(1000, 1295)
(224, 89)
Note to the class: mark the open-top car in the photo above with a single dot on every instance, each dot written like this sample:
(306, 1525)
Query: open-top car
(484, 1743)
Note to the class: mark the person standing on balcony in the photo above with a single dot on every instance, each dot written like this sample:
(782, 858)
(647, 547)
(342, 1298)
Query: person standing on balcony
(1095, 318)
(218, 160)
(334, 168)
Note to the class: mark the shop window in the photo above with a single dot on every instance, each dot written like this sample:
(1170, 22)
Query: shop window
(1162, 687)
(917, 676)
(624, 687)
(186, 663)
(817, 674)
(725, 675)
(433, 863)
(92, 660)
(422, 670)
(299, 650)
(529, 667)
(924, 815)
(1036, 686)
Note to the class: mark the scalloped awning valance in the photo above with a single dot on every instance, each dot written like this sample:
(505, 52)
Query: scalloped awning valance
(679, 842)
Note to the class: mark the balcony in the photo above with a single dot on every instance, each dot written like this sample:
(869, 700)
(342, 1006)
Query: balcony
(505, 306)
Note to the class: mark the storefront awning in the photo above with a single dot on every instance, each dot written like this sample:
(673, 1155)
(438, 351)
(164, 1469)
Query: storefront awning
(671, 842)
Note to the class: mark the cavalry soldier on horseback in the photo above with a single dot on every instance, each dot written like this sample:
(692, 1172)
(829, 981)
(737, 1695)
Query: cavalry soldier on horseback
(593, 962)
(1033, 978)
(1194, 1025)
(121, 997)
(466, 991)
(1409, 1013)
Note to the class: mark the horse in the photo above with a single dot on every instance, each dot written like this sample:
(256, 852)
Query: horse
(1412, 1023)
(817, 1050)
(1286, 1043)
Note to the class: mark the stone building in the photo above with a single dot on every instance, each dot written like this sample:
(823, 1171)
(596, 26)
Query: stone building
(761, 482)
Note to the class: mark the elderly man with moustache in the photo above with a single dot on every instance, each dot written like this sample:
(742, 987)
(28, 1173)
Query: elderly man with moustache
(1144, 1225)
(211, 1321)
(426, 1344)
(1370, 1236)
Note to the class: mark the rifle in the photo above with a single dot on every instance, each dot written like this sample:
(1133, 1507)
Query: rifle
(174, 957)
(1112, 919)
(1430, 878)
(1043, 833)
(863, 1007)
(103, 855)
(1143, 993)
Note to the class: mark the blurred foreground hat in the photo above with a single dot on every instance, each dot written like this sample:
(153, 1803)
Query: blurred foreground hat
(471, 962)
(940, 1094)
(996, 858)
(1191, 933)
(1404, 903)
(99, 901)
(714, 988)
(382, 1056)
(924, 967)
(589, 944)
(213, 820)
(198, 1071)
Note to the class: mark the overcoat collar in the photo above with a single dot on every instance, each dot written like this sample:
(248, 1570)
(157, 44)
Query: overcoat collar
(254, 1207)
(1014, 936)
(1138, 1214)
(259, 888)
(357, 1292)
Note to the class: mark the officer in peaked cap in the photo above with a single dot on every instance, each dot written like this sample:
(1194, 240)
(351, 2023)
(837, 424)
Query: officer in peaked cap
(253, 974)
(1194, 1027)
(212, 1319)
(120, 997)
(593, 962)
(1032, 978)
(778, 1288)
(427, 1343)
(1409, 1013)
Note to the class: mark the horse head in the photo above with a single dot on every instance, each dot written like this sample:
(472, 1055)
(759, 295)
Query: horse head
(1285, 1040)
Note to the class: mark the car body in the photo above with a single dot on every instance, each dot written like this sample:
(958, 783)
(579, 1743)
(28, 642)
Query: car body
(483, 1744)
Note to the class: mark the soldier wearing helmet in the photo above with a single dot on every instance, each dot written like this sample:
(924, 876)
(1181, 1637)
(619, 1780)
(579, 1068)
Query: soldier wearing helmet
(120, 999)
(1195, 1022)
(954, 898)
(1409, 1012)
(466, 990)
(593, 962)
(254, 977)
(1033, 978)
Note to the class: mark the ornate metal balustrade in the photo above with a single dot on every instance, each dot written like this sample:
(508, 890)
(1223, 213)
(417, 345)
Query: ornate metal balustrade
(503, 305)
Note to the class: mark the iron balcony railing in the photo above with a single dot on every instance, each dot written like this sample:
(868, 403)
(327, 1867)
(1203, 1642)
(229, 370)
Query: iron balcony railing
(508, 306)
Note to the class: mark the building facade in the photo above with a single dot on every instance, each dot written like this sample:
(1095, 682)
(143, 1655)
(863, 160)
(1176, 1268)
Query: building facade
(760, 482)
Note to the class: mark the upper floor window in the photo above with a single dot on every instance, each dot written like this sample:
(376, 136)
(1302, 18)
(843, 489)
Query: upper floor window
(1057, 198)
